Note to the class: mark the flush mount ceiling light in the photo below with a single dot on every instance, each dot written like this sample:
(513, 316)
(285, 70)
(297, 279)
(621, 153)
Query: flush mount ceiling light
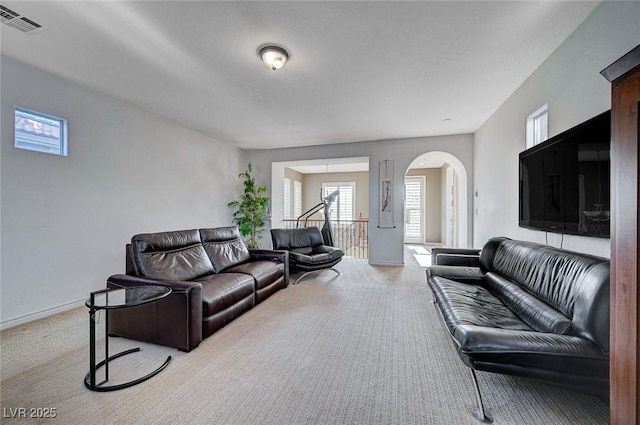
(274, 57)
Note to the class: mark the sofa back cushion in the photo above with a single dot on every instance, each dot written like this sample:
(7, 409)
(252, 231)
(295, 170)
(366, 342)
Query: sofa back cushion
(577, 285)
(175, 255)
(307, 237)
(224, 247)
(301, 240)
(280, 239)
(488, 252)
(532, 310)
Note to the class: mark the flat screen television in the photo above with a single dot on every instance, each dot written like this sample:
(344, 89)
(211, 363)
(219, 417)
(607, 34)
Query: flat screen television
(564, 181)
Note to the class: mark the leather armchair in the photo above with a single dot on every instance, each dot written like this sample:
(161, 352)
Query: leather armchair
(307, 252)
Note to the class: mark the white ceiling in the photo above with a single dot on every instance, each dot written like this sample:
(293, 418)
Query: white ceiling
(330, 165)
(428, 160)
(363, 70)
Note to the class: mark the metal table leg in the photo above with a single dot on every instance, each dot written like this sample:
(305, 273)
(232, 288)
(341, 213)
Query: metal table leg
(90, 378)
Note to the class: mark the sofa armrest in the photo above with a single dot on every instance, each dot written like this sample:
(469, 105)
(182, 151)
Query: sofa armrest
(458, 273)
(480, 339)
(269, 254)
(175, 320)
(280, 256)
(480, 347)
(455, 257)
(126, 281)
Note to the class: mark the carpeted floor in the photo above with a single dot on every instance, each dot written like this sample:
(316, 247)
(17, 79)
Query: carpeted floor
(365, 348)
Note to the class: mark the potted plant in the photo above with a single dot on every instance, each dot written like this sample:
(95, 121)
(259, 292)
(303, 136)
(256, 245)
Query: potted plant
(252, 209)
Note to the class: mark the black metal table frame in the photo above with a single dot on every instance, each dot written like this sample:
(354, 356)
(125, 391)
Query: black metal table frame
(90, 378)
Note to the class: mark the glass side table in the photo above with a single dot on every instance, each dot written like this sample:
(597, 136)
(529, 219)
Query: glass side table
(109, 299)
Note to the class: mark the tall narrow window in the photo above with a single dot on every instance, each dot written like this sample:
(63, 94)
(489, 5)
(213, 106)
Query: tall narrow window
(537, 126)
(39, 132)
(287, 198)
(414, 209)
(297, 198)
(344, 205)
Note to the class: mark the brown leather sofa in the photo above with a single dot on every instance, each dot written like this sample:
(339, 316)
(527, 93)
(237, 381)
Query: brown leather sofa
(214, 279)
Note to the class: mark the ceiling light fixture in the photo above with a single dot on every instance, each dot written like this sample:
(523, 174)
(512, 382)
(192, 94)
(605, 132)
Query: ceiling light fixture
(274, 57)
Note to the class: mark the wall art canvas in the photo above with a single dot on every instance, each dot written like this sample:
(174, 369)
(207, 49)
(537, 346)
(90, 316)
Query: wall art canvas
(386, 194)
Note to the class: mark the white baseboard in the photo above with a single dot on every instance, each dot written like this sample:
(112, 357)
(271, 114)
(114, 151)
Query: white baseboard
(386, 263)
(41, 314)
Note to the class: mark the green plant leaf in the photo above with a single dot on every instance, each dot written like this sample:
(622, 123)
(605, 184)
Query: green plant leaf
(252, 209)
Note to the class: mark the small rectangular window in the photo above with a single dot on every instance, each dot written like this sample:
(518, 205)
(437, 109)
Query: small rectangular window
(39, 132)
(537, 126)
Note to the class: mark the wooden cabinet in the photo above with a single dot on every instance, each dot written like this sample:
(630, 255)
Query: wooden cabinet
(624, 396)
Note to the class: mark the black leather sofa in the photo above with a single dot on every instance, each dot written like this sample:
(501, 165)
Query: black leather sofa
(528, 310)
(214, 279)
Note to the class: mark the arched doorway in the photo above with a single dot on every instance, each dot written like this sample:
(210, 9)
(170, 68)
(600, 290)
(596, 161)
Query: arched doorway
(436, 207)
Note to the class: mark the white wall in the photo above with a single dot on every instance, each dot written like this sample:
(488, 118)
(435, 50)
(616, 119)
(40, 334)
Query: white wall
(569, 81)
(65, 221)
(386, 246)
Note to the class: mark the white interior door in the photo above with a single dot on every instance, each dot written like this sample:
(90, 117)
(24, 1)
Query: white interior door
(414, 209)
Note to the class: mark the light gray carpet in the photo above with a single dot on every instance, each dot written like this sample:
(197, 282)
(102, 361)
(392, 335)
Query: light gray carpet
(363, 348)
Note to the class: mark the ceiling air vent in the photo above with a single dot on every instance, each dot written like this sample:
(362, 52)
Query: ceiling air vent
(22, 23)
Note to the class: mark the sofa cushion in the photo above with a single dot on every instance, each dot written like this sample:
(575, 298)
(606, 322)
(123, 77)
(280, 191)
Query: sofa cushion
(318, 255)
(575, 284)
(224, 246)
(468, 304)
(171, 255)
(533, 311)
(221, 291)
(280, 239)
(301, 240)
(306, 237)
(264, 272)
(488, 252)
(219, 234)
(163, 241)
(226, 254)
(322, 254)
(305, 250)
(550, 274)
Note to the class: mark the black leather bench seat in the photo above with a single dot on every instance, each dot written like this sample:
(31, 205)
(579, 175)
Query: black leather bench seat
(465, 304)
